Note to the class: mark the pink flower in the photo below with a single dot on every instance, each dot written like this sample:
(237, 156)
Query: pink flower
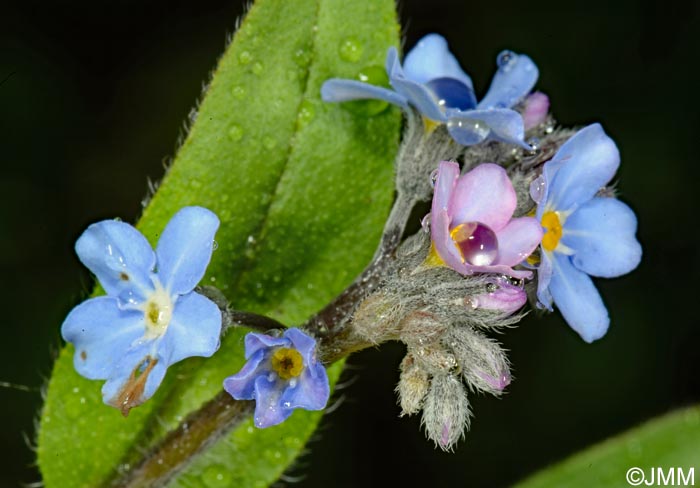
(471, 222)
(505, 297)
(536, 109)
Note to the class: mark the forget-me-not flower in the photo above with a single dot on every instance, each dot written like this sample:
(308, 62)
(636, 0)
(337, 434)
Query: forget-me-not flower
(432, 81)
(150, 317)
(585, 234)
(471, 222)
(282, 373)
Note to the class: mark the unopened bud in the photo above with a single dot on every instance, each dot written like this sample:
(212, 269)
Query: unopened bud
(413, 386)
(483, 361)
(446, 411)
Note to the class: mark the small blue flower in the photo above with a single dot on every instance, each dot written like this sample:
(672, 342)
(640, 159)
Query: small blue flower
(585, 234)
(150, 317)
(432, 81)
(282, 373)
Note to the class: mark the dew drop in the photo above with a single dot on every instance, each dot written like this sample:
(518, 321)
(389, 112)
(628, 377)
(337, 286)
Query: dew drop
(238, 92)
(505, 60)
(537, 189)
(549, 129)
(306, 112)
(476, 242)
(350, 50)
(216, 476)
(471, 302)
(469, 131)
(302, 56)
(373, 75)
(257, 68)
(235, 132)
(452, 93)
(269, 143)
(245, 57)
(433, 177)
(214, 245)
(425, 224)
(535, 145)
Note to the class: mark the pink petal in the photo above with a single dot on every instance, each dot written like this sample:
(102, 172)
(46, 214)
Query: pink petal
(517, 240)
(507, 298)
(447, 174)
(486, 195)
(498, 268)
(536, 109)
(444, 245)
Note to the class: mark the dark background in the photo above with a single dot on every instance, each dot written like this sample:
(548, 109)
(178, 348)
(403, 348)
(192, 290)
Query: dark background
(92, 99)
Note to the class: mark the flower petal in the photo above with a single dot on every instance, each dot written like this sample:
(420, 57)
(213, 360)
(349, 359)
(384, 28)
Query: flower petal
(340, 90)
(446, 179)
(544, 278)
(241, 385)
(507, 298)
(419, 96)
(268, 407)
(255, 342)
(444, 245)
(120, 257)
(185, 247)
(578, 299)
(514, 79)
(536, 109)
(311, 391)
(101, 333)
(517, 240)
(484, 194)
(135, 378)
(590, 160)
(602, 235)
(194, 330)
(302, 342)
(430, 59)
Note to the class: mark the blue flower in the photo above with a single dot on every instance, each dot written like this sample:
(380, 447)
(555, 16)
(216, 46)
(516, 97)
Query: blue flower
(585, 234)
(150, 317)
(432, 81)
(282, 373)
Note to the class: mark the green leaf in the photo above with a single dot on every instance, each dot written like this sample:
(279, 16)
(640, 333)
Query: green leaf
(302, 189)
(670, 441)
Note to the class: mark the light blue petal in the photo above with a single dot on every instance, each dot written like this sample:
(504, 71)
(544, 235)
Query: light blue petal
(102, 334)
(340, 90)
(310, 392)
(589, 161)
(544, 278)
(302, 342)
(514, 79)
(430, 59)
(474, 126)
(419, 96)
(120, 257)
(124, 374)
(185, 247)
(602, 236)
(255, 342)
(241, 385)
(268, 408)
(194, 330)
(577, 299)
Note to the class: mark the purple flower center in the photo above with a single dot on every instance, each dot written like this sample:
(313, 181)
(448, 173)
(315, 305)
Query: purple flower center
(476, 242)
(452, 93)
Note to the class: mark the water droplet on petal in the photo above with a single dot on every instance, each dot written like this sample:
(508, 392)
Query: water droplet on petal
(452, 93)
(537, 189)
(433, 177)
(350, 50)
(505, 59)
(476, 242)
(468, 131)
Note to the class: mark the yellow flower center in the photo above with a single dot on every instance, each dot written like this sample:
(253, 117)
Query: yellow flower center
(430, 125)
(287, 363)
(158, 311)
(552, 223)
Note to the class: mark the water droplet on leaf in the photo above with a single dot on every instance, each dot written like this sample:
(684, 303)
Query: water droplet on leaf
(350, 50)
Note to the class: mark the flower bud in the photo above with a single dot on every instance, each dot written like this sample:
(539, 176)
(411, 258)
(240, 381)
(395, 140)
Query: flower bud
(413, 386)
(446, 411)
